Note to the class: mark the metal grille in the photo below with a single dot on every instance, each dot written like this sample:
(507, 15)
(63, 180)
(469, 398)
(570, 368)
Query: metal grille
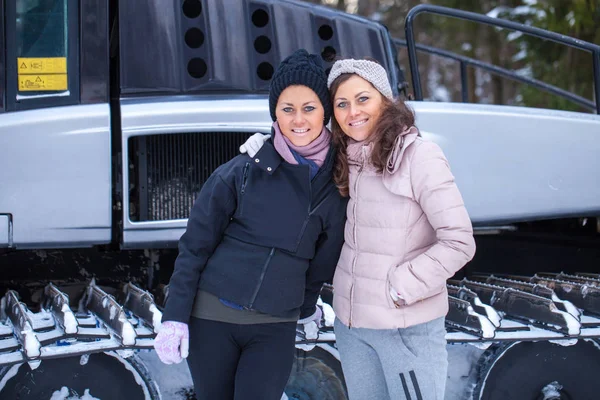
(168, 171)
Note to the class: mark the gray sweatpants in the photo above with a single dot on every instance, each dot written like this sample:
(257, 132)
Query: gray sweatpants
(398, 364)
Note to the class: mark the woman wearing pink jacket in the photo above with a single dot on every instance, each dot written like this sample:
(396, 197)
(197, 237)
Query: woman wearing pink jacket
(407, 231)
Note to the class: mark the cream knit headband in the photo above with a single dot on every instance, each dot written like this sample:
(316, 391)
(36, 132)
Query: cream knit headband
(368, 70)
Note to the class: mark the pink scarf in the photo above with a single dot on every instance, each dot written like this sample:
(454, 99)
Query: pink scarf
(315, 151)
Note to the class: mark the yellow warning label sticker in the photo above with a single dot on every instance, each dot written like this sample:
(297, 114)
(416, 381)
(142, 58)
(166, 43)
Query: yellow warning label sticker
(43, 83)
(45, 65)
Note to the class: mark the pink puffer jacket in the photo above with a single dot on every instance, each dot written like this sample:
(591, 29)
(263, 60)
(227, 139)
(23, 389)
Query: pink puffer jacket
(407, 228)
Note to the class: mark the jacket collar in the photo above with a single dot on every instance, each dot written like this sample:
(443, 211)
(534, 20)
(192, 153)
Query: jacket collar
(404, 139)
(360, 152)
(268, 159)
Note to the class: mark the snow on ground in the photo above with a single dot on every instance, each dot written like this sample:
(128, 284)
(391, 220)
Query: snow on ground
(175, 382)
(462, 371)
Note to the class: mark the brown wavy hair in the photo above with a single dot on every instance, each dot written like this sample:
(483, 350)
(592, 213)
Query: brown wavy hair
(395, 117)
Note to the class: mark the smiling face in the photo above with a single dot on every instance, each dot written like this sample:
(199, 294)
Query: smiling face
(300, 114)
(357, 106)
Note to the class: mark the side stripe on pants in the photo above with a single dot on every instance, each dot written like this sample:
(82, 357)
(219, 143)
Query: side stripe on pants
(406, 391)
(415, 382)
(413, 378)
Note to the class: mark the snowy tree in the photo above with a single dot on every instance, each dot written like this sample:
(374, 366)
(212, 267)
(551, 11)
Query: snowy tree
(568, 68)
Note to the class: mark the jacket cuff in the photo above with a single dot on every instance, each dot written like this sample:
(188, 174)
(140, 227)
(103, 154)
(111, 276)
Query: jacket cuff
(306, 312)
(170, 315)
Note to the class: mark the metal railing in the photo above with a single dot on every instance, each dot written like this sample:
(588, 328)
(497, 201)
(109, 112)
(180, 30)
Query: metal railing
(506, 73)
(484, 19)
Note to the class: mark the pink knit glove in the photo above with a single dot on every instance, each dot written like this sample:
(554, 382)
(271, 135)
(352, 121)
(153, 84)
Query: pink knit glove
(172, 343)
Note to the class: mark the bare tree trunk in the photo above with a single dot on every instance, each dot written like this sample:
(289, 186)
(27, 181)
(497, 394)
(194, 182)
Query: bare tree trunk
(496, 51)
(498, 89)
(473, 32)
(472, 85)
(341, 5)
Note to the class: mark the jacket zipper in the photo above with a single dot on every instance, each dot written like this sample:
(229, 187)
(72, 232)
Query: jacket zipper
(245, 177)
(262, 276)
(308, 212)
(331, 192)
(360, 171)
(310, 190)
(243, 188)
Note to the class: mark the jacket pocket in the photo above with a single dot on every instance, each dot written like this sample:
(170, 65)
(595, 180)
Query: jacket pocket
(390, 302)
(243, 185)
(402, 303)
(409, 339)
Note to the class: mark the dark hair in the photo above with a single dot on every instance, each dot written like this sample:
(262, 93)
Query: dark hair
(395, 117)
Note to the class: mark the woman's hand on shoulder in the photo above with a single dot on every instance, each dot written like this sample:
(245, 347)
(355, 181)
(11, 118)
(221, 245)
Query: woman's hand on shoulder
(254, 144)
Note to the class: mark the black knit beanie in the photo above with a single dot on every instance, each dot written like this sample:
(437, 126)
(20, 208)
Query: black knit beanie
(300, 68)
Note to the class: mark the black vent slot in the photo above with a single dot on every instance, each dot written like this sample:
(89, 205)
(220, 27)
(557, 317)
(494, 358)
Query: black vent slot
(168, 171)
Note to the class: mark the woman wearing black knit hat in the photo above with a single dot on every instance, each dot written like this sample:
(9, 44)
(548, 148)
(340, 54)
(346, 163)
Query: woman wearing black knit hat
(263, 236)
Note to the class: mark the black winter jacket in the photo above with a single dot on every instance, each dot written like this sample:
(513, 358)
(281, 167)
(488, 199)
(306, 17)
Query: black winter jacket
(262, 235)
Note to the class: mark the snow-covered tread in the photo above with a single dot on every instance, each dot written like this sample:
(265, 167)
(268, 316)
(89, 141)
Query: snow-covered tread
(101, 324)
